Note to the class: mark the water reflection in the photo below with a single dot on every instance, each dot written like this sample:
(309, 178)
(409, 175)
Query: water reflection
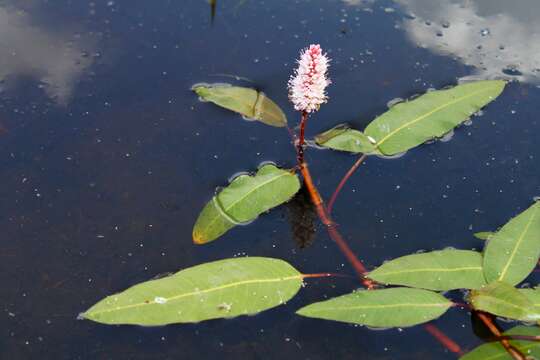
(499, 38)
(55, 59)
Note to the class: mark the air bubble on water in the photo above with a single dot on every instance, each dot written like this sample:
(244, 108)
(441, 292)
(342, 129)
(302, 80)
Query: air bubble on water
(512, 70)
(391, 157)
(447, 137)
(394, 102)
(266, 162)
(445, 24)
(237, 175)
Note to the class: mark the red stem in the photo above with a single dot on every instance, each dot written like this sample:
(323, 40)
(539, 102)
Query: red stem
(301, 140)
(443, 339)
(487, 319)
(324, 215)
(343, 181)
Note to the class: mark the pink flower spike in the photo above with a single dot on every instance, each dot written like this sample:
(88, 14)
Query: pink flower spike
(307, 86)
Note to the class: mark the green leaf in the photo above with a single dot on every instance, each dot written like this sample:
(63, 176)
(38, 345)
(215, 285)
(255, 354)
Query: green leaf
(502, 299)
(343, 138)
(249, 102)
(431, 115)
(495, 351)
(219, 289)
(381, 308)
(437, 270)
(484, 235)
(533, 295)
(244, 200)
(512, 253)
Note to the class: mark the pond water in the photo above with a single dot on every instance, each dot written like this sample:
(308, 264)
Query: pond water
(107, 158)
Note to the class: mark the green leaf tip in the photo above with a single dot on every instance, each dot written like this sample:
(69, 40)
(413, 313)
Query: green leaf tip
(343, 138)
(512, 252)
(394, 307)
(442, 270)
(432, 115)
(502, 299)
(219, 289)
(248, 102)
(243, 200)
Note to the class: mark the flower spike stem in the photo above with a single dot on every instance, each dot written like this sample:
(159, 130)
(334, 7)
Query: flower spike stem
(343, 181)
(487, 319)
(301, 141)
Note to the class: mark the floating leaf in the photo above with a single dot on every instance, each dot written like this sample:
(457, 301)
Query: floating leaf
(495, 351)
(344, 138)
(502, 299)
(512, 253)
(534, 297)
(431, 115)
(244, 200)
(437, 270)
(246, 101)
(219, 289)
(484, 235)
(381, 308)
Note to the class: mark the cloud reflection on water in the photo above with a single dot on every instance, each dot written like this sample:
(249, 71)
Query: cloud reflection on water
(499, 38)
(56, 59)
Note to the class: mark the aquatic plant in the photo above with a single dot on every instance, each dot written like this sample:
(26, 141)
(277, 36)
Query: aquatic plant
(406, 291)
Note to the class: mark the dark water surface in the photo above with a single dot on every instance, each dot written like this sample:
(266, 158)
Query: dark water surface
(106, 159)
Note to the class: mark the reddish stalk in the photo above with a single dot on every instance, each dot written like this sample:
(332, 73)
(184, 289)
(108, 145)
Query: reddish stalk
(324, 215)
(487, 319)
(323, 275)
(443, 339)
(343, 181)
(520, 337)
(300, 145)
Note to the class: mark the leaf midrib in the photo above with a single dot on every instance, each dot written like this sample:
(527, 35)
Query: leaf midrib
(386, 306)
(226, 209)
(420, 118)
(198, 292)
(429, 270)
(518, 243)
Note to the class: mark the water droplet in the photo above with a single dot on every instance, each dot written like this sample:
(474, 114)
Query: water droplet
(160, 300)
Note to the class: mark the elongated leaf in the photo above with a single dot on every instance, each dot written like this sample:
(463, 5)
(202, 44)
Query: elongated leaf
(244, 200)
(484, 235)
(512, 253)
(344, 138)
(219, 289)
(246, 101)
(534, 297)
(381, 308)
(437, 270)
(431, 115)
(495, 351)
(502, 299)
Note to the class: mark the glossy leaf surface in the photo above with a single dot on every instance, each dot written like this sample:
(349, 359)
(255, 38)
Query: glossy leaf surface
(344, 138)
(437, 270)
(431, 115)
(502, 299)
(495, 351)
(249, 102)
(512, 253)
(381, 308)
(244, 200)
(219, 289)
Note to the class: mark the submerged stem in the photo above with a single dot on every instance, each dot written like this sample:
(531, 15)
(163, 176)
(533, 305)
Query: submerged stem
(487, 319)
(343, 181)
